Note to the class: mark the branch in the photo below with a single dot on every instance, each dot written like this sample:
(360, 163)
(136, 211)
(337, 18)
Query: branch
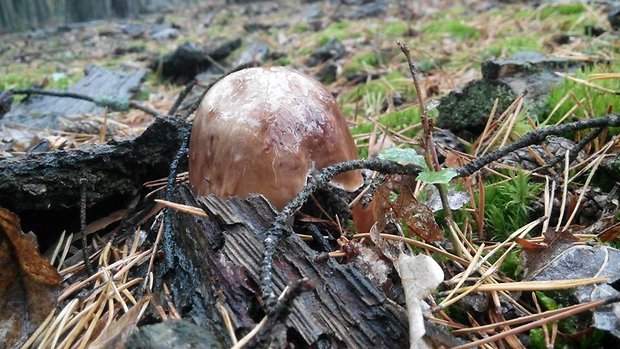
(114, 104)
(537, 136)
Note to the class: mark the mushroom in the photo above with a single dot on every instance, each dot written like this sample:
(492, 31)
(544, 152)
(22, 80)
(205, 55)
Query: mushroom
(264, 130)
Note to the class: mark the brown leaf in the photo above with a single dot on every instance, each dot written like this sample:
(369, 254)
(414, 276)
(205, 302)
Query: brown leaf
(26, 294)
(417, 217)
(26, 249)
(610, 233)
(535, 259)
(528, 245)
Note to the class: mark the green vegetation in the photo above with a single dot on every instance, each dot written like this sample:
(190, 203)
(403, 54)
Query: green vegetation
(387, 85)
(457, 29)
(595, 102)
(394, 29)
(507, 204)
(337, 30)
(562, 10)
(510, 45)
(25, 78)
(362, 61)
(301, 28)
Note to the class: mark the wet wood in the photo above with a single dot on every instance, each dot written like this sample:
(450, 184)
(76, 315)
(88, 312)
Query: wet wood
(220, 258)
(51, 181)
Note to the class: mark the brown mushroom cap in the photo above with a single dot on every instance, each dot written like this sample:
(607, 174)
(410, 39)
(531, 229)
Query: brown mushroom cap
(263, 130)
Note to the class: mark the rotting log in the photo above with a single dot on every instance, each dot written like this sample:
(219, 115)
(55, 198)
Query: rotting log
(51, 181)
(218, 260)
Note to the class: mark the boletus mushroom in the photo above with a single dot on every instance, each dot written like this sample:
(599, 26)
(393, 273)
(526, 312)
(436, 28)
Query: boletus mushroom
(264, 130)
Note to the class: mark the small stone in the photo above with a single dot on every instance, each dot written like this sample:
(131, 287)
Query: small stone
(334, 49)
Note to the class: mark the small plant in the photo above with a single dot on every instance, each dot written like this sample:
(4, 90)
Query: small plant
(507, 204)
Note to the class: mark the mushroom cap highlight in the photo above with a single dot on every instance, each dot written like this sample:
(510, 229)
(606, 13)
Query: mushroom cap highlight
(264, 130)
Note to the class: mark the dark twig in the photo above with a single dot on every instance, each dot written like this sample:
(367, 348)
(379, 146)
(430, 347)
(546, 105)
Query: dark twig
(188, 88)
(118, 105)
(537, 136)
(89, 268)
(172, 176)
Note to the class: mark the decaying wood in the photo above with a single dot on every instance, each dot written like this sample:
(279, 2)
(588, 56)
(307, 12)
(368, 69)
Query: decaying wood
(51, 181)
(218, 260)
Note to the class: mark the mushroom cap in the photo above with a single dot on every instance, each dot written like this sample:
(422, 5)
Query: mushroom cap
(263, 130)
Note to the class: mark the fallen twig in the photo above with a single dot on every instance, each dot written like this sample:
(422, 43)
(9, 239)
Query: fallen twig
(114, 104)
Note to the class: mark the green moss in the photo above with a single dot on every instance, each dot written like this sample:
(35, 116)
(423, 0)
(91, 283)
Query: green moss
(361, 61)
(562, 9)
(456, 29)
(602, 102)
(511, 45)
(469, 109)
(507, 204)
(537, 339)
(301, 28)
(337, 30)
(395, 29)
(512, 265)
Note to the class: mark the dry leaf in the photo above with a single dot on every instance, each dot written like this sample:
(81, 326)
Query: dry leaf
(420, 276)
(27, 280)
(417, 217)
(536, 258)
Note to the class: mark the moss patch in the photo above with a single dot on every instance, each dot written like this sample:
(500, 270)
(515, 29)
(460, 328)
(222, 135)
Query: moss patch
(456, 29)
(469, 109)
(361, 61)
(339, 30)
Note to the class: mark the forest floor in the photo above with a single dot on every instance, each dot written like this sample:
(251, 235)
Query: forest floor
(520, 263)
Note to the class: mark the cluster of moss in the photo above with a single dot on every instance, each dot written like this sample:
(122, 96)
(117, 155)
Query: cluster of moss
(468, 110)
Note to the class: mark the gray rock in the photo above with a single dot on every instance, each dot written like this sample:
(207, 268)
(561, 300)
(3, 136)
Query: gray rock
(334, 49)
(580, 261)
(254, 52)
(365, 10)
(44, 111)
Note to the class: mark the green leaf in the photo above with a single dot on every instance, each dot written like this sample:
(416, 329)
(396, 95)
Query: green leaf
(437, 177)
(403, 156)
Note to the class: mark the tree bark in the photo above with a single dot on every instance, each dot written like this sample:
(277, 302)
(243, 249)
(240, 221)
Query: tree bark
(219, 259)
